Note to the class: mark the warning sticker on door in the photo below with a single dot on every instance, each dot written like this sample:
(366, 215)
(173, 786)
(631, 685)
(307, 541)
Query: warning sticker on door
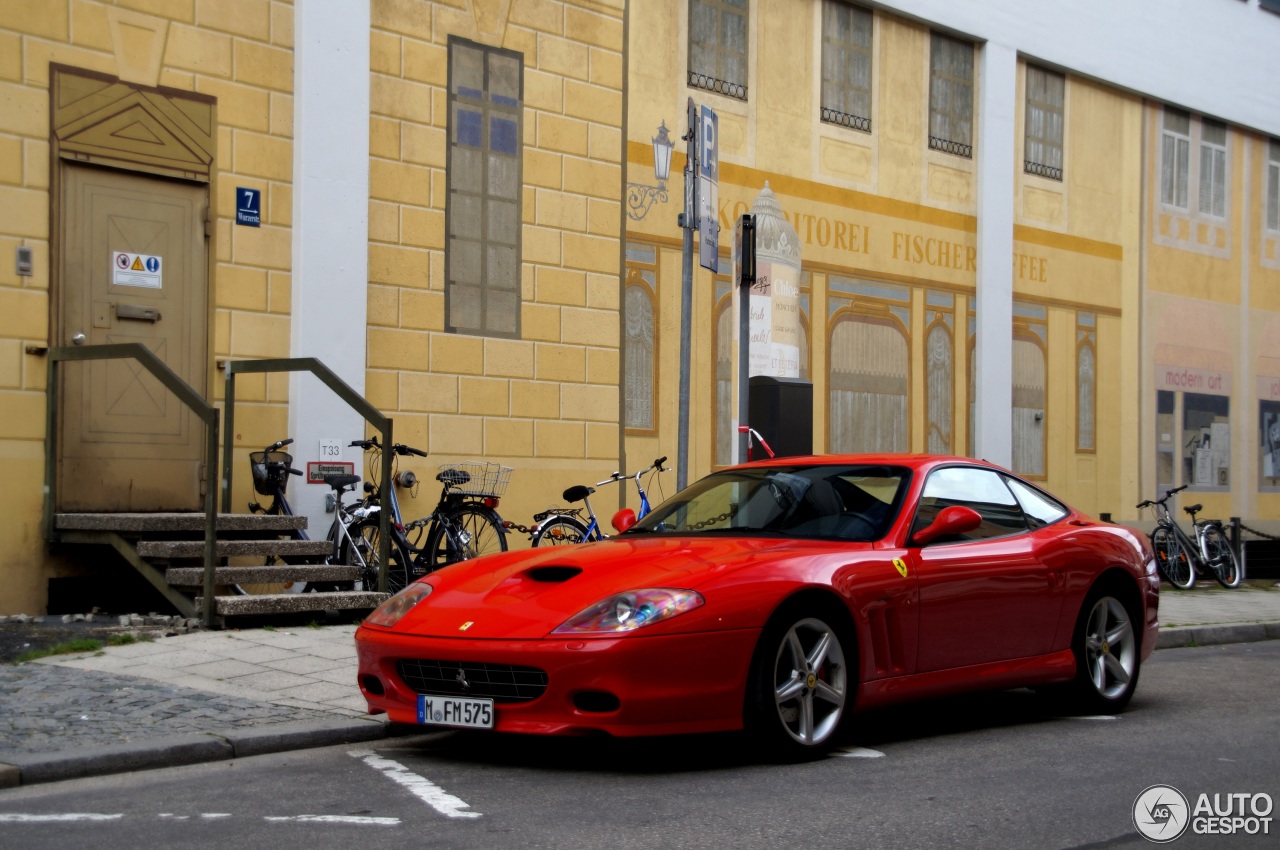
(135, 270)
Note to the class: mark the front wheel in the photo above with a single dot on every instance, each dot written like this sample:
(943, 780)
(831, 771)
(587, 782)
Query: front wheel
(560, 531)
(468, 531)
(1220, 557)
(1106, 648)
(1172, 560)
(361, 550)
(800, 685)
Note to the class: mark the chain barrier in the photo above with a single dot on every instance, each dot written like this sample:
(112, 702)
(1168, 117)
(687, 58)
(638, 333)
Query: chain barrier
(1257, 533)
(538, 519)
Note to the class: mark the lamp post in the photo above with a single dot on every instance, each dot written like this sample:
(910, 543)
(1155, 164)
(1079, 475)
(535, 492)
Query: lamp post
(641, 196)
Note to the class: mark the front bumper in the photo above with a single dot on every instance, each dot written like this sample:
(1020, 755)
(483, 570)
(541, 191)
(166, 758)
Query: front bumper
(664, 685)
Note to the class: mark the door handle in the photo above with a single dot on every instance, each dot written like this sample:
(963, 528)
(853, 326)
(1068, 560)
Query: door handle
(77, 339)
(138, 312)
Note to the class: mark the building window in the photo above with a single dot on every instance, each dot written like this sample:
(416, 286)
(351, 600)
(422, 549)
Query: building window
(870, 366)
(951, 95)
(1213, 168)
(482, 258)
(1046, 97)
(1029, 388)
(1273, 185)
(640, 343)
(1269, 451)
(846, 65)
(939, 371)
(1206, 440)
(718, 46)
(1175, 158)
(1086, 381)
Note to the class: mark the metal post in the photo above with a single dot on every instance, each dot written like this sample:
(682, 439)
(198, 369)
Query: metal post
(688, 221)
(746, 252)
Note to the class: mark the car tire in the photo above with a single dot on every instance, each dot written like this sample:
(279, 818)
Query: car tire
(1107, 644)
(802, 682)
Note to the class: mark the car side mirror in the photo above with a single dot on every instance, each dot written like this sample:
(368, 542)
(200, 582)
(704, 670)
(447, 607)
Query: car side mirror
(624, 519)
(949, 521)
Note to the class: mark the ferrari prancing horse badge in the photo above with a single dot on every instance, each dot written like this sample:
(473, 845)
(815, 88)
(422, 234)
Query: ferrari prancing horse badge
(901, 565)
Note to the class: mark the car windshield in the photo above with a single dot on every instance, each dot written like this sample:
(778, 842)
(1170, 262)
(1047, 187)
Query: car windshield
(821, 501)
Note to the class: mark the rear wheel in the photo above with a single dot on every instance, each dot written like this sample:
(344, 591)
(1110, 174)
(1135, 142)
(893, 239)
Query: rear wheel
(1171, 560)
(471, 530)
(1107, 653)
(362, 551)
(560, 531)
(1220, 557)
(800, 683)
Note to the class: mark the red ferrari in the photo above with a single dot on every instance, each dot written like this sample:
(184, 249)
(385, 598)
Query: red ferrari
(777, 597)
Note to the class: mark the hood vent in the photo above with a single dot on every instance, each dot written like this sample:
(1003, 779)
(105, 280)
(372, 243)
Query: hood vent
(553, 575)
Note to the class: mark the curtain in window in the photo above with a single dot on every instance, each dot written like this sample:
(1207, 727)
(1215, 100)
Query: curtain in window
(1085, 383)
(1213, 169)
(938, 374)
(1273, 187)
(718, 46)
(951, 95)
(846, 64)
(869, 382)
(639, 353)
(1175, 158)
(1046, 96)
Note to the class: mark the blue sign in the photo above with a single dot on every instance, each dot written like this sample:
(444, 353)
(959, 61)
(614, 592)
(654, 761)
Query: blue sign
(708, 191)
(249, 207)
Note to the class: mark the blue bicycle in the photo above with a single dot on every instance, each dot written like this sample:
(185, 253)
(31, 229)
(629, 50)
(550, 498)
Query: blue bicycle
(565, 526)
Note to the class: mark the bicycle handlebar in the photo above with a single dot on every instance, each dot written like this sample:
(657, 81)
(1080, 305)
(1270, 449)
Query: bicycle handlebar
(398, 448)
(280, 445)
(1151, 503)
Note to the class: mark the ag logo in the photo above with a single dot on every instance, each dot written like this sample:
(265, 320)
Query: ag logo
(1161, 813)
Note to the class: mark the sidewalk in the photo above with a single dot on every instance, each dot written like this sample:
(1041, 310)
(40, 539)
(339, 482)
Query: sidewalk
(216, 695)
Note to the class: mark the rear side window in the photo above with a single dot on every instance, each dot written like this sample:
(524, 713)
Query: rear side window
(980, 489)
(1041, 509)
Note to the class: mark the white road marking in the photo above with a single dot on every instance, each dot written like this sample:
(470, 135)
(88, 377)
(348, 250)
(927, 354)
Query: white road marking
(427, 791)
(355, 819)
(214, 815)
(858, 753)
(63, 818)
(165, 815)
(1091, 717)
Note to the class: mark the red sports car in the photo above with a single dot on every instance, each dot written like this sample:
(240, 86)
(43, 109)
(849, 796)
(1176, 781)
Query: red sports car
(778, 597)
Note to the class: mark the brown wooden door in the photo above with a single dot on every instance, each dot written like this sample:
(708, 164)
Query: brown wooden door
(134, 269)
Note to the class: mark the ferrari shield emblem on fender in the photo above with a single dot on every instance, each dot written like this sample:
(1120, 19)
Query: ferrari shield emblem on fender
(901, 566)
(469, 623)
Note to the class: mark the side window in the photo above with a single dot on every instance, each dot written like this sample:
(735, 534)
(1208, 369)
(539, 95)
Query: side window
(1041, 509)
(980, 489)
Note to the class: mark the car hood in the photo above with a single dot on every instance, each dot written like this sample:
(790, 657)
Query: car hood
(524, 595)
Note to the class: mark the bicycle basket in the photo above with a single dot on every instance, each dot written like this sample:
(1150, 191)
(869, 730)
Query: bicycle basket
(270, 471)
(477, 478)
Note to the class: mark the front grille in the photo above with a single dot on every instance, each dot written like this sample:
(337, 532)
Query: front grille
(499, 682)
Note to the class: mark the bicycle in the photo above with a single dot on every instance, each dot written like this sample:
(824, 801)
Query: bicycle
(463, 525)
(1178, 557)
(271, 469)
(564, 526)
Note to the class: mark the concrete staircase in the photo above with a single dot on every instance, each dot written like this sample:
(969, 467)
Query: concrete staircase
(168, 550)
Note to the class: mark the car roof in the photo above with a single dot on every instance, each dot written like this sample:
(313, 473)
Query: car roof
(911, 461)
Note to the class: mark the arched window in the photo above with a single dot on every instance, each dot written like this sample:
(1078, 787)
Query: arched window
(640, 339)
(1086, 381)
(938, 390)
(1029, 373)
(870, 364)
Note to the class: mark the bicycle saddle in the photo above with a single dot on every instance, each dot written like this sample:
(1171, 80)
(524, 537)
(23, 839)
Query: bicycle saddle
(453, 477)
(1193, 509)
(341, 482)
(578, 492)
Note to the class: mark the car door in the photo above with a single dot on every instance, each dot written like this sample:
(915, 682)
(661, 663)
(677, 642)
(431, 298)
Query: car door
(986, 596)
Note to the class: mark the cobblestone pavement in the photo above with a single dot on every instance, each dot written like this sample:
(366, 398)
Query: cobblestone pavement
(50, 708)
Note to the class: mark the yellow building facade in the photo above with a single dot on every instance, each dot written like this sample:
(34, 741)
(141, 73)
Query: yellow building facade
(534, 320)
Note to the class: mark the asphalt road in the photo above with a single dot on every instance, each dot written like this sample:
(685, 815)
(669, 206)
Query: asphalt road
(995, 770)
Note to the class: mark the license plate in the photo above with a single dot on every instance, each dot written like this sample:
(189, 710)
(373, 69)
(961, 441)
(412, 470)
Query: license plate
(464, 712)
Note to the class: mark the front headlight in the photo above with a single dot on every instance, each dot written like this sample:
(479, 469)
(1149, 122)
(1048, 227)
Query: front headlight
(389, 613)
(626, 612)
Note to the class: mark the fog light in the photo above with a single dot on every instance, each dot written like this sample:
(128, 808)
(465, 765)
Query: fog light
(596, 702)
(372, 684)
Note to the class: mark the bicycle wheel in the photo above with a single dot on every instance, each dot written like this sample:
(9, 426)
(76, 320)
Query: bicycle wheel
(472, 530)
(361, 550)
(1220, 557)
(1173, 563)
(560, 531)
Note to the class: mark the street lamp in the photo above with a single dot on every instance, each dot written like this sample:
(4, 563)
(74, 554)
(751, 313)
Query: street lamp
(641, 196)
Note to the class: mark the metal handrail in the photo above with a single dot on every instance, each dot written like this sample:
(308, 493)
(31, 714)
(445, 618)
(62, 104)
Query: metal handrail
(185, 393)
(357, 402)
